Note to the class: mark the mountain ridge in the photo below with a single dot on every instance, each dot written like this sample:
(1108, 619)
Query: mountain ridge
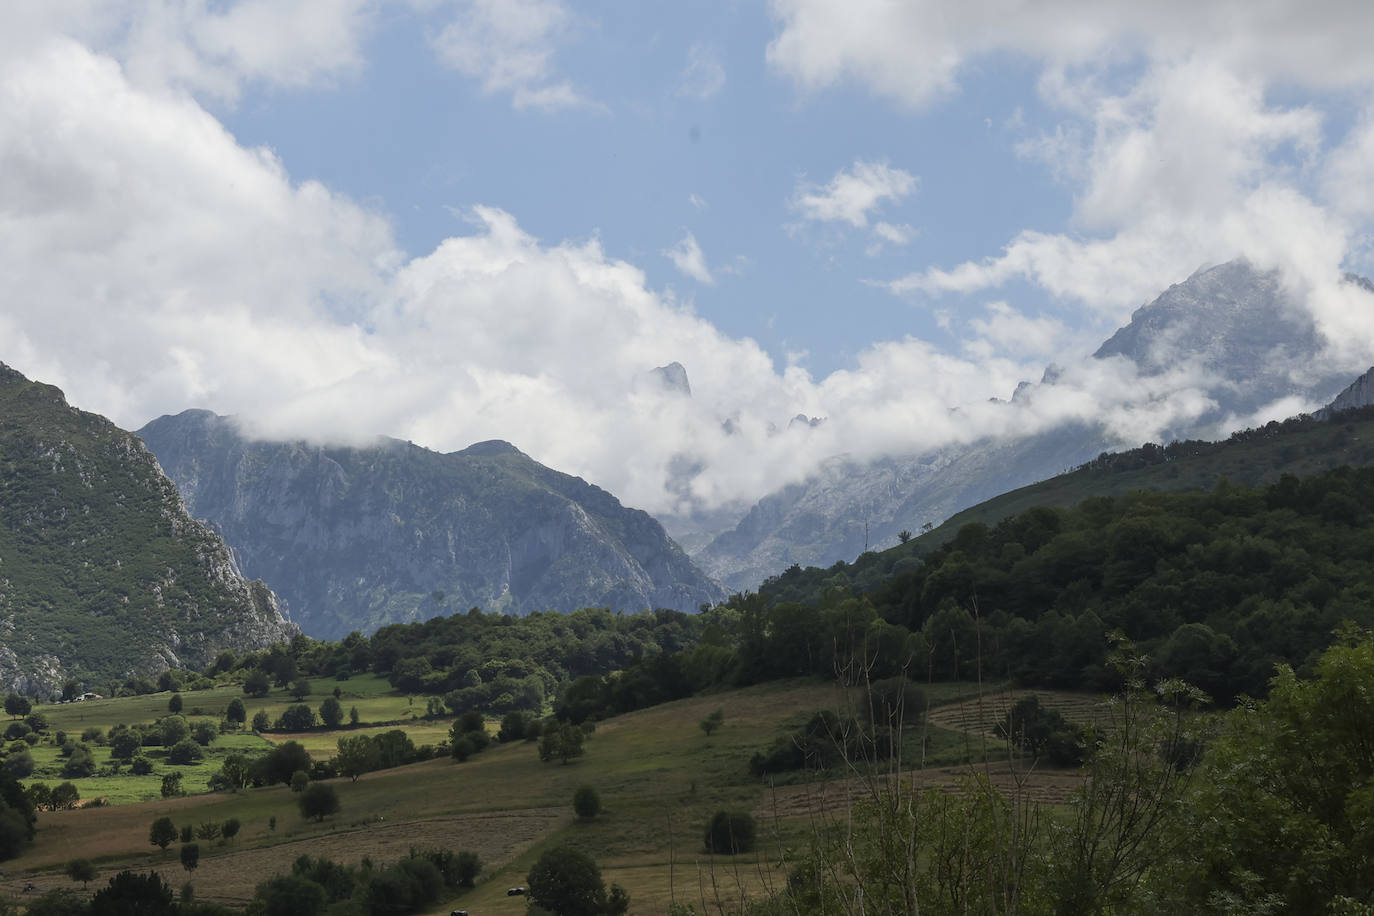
(359, 537)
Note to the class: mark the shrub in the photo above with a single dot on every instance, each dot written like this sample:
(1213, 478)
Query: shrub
(586, 803)
(298, 718)
(185, 752)
(730, 833)
(141, 766)
(299, 780)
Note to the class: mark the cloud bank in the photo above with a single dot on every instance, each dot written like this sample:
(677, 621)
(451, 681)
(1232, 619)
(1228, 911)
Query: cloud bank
(178, 268)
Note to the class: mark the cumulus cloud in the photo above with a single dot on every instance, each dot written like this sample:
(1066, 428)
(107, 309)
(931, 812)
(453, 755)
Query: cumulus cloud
(510, 45)
(687, 257)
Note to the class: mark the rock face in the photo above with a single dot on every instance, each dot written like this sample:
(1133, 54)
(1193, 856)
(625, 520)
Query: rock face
(103, 573)
(1236, 324)
(1360, 393)
(355, 538)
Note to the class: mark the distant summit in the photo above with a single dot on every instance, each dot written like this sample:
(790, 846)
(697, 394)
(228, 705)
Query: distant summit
(672, 377)
(357, 538)
(1243, 342)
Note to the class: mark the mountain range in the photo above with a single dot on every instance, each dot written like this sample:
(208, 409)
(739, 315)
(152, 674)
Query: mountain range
(104, 575)
(1250, 346)
(353, 538)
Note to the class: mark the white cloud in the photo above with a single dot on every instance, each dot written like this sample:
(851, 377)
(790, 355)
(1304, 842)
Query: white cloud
(510, 45)
(853, 194)
(704, 75)
(914, 52)
(687, 257)
(202, 47)
(696, 200)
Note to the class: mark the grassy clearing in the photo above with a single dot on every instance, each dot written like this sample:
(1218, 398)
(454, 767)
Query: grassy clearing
(659, 777)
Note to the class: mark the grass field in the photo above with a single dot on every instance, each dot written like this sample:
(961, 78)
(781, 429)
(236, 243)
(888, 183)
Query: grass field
(659, 777)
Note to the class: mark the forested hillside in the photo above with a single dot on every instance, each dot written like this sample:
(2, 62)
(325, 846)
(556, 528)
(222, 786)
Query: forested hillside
(103, 573)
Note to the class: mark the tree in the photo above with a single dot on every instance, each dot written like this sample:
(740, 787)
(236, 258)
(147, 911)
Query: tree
(282, 762)
(141, 766)
(71, 689)
(466, 868)
(235, 773)
(79, 764)
(208, 831)
(125, 745)
(567, 882)
(357, 755)
(131, 894)
(300, 689)
(204, 733)
(162, 833)
(82, 870)
(17, 706)
(319, 800)
(190, 856)
(730, 833)
(298, 718)
(586, 803)
(903, 535)
(257, 684)
(174, 728)
(171, 785)
(353, 715)
(299, 780)
(562, 743)
(20, 763)
(174, 704)
(261, 721)
(331, 712)
(291, 895)
(65, 795)
(230, 828)
(712, 722)
(235, 712)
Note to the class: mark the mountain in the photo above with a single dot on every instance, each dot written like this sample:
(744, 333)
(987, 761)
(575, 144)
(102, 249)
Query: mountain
(356, 538)
(1253, 345)
(103, 573)
(1360, 393)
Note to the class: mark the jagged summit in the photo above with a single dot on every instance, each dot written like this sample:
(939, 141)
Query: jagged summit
(490, 448)
(672, 377)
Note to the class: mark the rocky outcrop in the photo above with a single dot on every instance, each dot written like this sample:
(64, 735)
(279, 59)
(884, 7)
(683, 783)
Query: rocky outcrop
(356, 538)
(1360, 393)
(104, 574)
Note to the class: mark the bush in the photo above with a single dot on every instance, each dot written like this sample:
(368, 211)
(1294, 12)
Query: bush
(20, 764)
(331, 712)
(586, 803)
(185, 753)
(261, 721)
(257, 684)
(79, 764)
(896, 702)
(236, 712)
(162, 833)
(730, 833)
(299, 780)
(141, 766)
(203, 733)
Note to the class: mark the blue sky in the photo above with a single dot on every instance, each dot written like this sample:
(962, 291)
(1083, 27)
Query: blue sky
(450, 220)
(686, 129)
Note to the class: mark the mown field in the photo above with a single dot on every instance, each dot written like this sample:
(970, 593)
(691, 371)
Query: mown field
(659, 777)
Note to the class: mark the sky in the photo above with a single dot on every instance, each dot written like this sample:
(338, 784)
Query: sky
(456, 220)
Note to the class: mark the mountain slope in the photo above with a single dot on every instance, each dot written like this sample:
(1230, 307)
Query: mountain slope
(355, 538)
(103, 573)
(1252, 345)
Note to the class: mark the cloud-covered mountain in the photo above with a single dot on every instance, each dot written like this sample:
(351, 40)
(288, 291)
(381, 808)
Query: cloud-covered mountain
(103, 573)
(1229, 342)
(357, 537)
